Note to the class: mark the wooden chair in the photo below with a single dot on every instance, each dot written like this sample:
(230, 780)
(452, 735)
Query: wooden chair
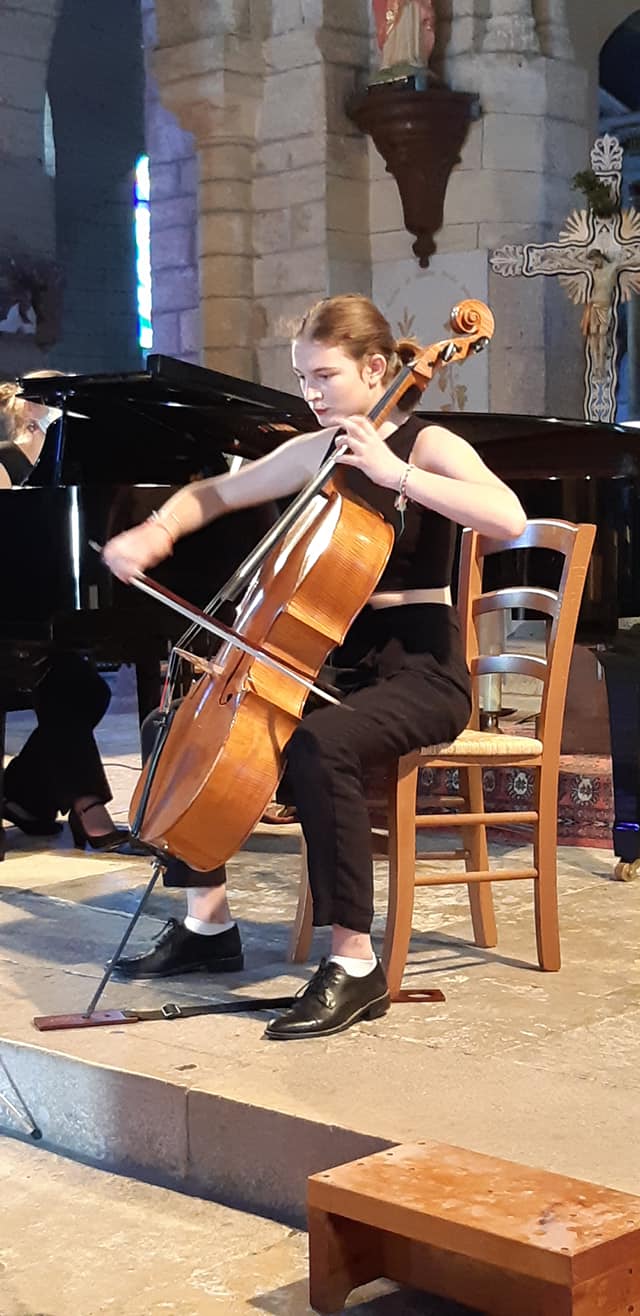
(474, 750)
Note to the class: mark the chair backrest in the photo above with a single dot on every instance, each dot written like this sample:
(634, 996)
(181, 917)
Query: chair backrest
(559, 607)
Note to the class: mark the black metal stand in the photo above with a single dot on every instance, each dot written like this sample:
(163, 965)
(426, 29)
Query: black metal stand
(622, 671)
(91, 1017)
(20, 1112)
(156, 870)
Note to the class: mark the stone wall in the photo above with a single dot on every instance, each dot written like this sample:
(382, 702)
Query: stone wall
(294, 203)
(512, 186)
(174, 217)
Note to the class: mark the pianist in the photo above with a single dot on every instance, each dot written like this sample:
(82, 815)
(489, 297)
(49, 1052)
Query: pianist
(59, 769)
(23, 426)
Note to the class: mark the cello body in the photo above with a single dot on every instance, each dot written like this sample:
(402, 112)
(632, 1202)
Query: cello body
(223, 755)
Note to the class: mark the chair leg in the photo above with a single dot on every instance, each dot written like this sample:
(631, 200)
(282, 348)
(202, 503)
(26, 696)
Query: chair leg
(545, 858)
(474, 838)
(302, 929)
(403, 787)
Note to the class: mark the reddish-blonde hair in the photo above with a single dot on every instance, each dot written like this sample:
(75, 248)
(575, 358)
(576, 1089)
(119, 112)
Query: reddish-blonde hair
(352, 322)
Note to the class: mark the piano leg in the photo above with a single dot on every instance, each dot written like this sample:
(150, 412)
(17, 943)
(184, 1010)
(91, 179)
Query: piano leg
(149, 686)
(622, 671)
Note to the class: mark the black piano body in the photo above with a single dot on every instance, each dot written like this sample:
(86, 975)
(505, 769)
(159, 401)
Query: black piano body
(123, 444)
(125, 441)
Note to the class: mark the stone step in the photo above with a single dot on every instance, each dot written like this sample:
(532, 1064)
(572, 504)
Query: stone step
(166, 1263)
(208, 1106)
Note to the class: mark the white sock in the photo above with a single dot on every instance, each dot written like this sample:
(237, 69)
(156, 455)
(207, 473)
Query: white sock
(355, 968)
(207, 929)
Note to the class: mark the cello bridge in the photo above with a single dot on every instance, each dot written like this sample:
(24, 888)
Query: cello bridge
(199, 664)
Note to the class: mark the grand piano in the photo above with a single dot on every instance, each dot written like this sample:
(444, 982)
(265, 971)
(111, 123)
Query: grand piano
(124, 442)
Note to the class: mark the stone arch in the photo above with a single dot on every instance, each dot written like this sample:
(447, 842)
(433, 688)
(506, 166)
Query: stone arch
(592, 22)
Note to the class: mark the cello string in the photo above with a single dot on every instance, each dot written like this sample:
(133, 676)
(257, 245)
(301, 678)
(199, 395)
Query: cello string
(224, 633)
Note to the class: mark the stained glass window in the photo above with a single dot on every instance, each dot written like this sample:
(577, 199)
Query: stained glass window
(142, 198)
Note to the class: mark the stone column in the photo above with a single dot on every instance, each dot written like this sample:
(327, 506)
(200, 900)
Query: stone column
(208, 65)
(515, 181)
(553, 30)
(511, 26)
(283, 173)
(27, 212)
(310, 195)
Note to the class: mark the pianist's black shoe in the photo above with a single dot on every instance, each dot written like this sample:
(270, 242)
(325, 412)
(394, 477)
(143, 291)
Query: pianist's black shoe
(28, 823)
(331, 1002)
(180, 951)
(118, 839)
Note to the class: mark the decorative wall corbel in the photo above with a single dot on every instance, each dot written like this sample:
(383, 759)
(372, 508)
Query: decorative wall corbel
(419, 134)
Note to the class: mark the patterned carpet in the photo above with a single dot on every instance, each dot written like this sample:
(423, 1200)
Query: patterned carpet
(585, 796)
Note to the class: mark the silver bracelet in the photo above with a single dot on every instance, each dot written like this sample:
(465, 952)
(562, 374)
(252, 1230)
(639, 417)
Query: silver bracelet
(156, 519)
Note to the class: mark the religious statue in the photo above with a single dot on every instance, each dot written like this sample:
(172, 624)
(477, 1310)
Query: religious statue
(597, 261)
(19, 317)
(31, 298)
(597, 318)
(406, 36)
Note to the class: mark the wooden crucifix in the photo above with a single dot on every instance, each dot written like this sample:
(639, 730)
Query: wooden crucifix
(597, 261)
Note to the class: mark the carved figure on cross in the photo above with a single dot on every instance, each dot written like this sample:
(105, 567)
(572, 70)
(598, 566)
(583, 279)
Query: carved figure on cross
(597, 261)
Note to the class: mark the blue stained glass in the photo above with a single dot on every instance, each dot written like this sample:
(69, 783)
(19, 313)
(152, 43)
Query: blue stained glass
(142, 198)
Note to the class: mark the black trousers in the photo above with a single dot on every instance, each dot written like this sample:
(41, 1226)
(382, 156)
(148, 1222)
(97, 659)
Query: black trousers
(405, 685)
(60, 761)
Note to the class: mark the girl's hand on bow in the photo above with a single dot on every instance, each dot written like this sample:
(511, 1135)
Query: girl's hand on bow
(132, 552)
(369, 452)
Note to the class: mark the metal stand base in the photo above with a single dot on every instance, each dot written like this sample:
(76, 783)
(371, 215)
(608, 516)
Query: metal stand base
(90, 1018)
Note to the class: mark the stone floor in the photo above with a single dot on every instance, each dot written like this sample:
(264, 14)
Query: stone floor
(538, 1068)
(109, 1244)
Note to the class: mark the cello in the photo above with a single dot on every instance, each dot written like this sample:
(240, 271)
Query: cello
(218, 756)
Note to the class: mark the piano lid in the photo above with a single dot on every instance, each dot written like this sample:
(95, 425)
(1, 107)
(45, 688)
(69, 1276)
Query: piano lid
(539, 447)
(179, 399)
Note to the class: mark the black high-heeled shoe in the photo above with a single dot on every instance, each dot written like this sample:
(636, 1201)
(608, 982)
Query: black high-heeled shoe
(112, 840)
(27, 822)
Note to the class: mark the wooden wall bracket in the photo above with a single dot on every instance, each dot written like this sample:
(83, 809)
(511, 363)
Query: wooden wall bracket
(420, 135)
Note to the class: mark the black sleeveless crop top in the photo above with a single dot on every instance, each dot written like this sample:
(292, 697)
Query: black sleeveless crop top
(422, 554)
(17, 466)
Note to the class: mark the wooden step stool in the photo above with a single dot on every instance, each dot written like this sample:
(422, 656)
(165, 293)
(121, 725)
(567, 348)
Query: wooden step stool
(502, 1238)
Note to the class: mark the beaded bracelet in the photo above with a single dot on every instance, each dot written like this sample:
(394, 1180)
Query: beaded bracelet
(401, 499)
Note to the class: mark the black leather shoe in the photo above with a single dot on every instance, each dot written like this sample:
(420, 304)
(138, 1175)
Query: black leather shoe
(331, 1002)
(180, 951)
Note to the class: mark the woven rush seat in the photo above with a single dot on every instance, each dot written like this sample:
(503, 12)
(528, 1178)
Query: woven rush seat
(490, 743)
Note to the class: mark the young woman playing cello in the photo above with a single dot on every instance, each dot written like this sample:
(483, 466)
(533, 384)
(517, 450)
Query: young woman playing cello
(401, 665)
